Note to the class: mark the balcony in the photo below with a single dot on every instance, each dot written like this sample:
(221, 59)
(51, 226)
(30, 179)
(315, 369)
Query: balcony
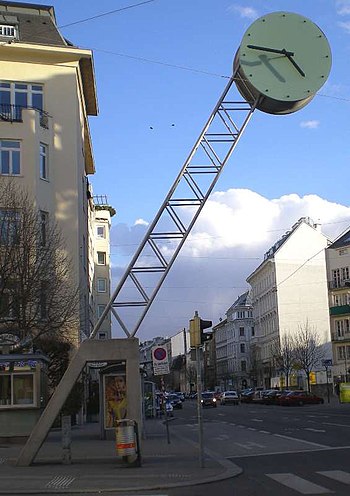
(13, 113)
(339, 310)
(344, 283)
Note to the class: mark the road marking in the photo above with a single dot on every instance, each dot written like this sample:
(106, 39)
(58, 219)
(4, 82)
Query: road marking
(257, 420)
(299, 484)
(337, 475)
(60, 481)
(301, 441)
(313, 430)
(251, 429)
(338, 425)
(241, 426)
(265, 432)
(245, 446)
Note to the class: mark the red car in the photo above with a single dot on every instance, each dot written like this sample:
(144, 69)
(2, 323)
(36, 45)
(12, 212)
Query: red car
(300, 398)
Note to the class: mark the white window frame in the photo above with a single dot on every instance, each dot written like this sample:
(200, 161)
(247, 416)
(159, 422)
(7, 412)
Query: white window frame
(103, 288)
(8, 31)
(30, 90)
(101, 258)
(44, 161)
(103, 234)
(11, 150)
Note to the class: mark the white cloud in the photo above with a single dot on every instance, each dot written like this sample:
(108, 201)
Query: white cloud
(343, 7)
(141, 222)
(310, 124)
(228, 242)
(246, 12)
(345, 26)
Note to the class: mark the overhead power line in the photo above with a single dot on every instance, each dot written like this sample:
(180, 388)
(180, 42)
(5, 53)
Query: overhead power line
(106, 13)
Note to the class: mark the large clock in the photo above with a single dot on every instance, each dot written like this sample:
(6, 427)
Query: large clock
(282, 61)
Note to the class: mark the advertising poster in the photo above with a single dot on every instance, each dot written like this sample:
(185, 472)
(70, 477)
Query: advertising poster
(115, 399)
(344, 392)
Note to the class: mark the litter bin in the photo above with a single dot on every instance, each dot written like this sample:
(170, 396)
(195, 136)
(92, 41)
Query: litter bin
(127, 441)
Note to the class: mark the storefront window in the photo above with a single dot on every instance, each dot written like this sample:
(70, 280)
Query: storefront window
(17, 389)
(5, 390)
(23, 389)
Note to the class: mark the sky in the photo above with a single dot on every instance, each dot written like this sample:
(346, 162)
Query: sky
(160, 68)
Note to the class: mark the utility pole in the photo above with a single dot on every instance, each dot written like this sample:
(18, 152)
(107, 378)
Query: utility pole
(197, 338)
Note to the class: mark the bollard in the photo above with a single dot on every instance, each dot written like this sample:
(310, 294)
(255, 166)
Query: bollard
(127, 442)
(66, 440)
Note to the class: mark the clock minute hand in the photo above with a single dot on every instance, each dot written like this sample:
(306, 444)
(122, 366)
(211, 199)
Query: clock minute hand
(272, 50)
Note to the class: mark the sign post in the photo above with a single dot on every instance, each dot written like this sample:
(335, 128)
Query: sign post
(327, 364)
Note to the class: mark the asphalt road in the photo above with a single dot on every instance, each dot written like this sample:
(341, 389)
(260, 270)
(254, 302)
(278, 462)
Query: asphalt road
(282, 450)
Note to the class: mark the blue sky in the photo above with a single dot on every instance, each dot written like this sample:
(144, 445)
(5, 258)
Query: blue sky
(284, 167)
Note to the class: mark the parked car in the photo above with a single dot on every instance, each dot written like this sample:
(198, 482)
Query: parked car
(300, 398)
(229, 398)
(273, 396)
(180, 395)
(208, 399)
(247, 396)
(175, 400)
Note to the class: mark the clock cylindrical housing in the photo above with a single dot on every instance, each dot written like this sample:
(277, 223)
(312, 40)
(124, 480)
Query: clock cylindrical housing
(283, 60)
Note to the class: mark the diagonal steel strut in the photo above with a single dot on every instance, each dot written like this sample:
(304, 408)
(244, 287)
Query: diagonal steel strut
(182, 205)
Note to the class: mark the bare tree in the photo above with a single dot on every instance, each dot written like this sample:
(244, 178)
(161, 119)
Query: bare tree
(284, 355)
(37, 297)
(308, 349)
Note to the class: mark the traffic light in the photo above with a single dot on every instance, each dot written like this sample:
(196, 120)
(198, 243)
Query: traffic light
(195, 338)
(197, 326)
(205, 336)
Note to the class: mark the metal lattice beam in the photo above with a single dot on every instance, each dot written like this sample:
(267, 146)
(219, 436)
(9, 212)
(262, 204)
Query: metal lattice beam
(181, 207)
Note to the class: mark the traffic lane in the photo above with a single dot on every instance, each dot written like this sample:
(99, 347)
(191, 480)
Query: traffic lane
(310, 423)
(236, 440)
(306, 423)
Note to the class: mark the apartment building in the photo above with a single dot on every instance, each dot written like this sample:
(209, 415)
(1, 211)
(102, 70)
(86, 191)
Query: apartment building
(289, 290)
(240, 330)
(47, 93)
(338, 274)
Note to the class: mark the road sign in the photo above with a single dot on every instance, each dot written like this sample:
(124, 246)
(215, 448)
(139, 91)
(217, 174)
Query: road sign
(327, 363)
(160, 360)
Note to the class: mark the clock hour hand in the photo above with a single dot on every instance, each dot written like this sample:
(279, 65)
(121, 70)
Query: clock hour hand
(272, 50)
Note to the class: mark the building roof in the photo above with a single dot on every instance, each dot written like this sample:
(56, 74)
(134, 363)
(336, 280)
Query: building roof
(269, 255)
(342, 240)
(242, 301)
(34, 23)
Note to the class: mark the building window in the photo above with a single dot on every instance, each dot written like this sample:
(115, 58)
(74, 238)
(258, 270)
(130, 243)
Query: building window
(7, 31)
(243, 366)
(9, 227)
(339, 327)
(242, 346)
(10, 157)
(21, 94)
(241, 331)
(17, 389)
(44, 219)
(101, 232)
(100, 309)
(102, 335)
(336, 278)
(101, 285)
(253, 331)
(345, 273)
(341, 352)
(43, 166)
(101, 258)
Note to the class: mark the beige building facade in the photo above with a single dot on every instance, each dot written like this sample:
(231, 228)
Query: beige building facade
(289, 291)
(47, 93)
(338, 273)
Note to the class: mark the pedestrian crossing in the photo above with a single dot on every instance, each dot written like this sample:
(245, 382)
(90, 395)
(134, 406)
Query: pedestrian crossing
(303, 485)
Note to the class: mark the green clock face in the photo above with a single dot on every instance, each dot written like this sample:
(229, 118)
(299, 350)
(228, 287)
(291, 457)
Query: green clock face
(284, 58)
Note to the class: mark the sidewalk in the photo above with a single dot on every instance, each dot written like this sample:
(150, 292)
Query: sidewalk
(95, 468)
